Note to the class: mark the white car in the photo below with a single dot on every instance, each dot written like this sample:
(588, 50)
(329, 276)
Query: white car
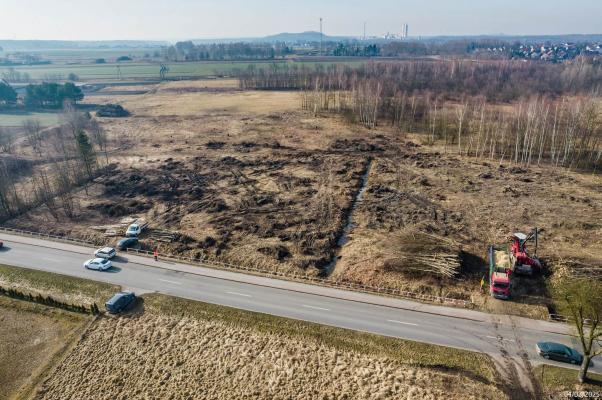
(105, 252)
(133, 230)
(98, 264)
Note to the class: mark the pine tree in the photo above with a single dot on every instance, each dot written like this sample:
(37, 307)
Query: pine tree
(86, 152)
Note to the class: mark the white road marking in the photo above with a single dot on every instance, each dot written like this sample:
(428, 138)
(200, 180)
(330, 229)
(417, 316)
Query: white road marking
(172, 282)
(314, 307)
(401, 322)
(499, 337)
(239, 294)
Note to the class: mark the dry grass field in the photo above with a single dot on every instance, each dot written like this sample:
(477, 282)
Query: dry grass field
(32, 339)
(246, 177)
(473, 203)
(185, 350)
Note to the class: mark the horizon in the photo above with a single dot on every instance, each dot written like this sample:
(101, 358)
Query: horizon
(232, 19)
(243, 38)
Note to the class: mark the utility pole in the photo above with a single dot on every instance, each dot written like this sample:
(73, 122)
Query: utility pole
(321, 36)
(364, 31)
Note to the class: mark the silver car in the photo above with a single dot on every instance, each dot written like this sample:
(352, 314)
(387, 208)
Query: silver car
(98, 264)
(105, 252)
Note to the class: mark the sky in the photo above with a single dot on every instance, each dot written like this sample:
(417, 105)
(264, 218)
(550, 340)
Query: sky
(198, 19)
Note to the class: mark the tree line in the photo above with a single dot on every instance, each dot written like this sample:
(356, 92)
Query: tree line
(71, 153)
(51, 95)
(495, 80)
(553, 116)
(44, 95)
(8, 95)
(49, 301)
(188, 51)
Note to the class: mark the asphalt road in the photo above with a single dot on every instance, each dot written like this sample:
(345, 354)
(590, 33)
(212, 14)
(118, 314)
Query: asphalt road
(465, 329)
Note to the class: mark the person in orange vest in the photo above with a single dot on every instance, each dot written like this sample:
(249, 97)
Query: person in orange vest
(156, 254)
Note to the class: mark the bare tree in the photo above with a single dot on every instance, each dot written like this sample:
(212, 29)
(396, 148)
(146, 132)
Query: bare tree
(73, 119)
(33, 135)
(6, 140)
(581, 299)
(99, 137)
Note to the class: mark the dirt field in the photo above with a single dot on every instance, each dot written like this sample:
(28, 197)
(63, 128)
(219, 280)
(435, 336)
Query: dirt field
(214, 353)
(474, 203)
(237, 176)
(246, 177)
(32, 337)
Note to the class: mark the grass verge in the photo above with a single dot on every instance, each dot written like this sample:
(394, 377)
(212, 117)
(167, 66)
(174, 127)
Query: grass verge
(474, 365)
(61, 287)
(554, 380)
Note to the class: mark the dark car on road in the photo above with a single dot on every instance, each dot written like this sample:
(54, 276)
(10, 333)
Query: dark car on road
(126, 243)
(120, 302)
(558, 352)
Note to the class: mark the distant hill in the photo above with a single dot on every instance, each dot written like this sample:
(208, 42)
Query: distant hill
(286, 37)
(303, 37)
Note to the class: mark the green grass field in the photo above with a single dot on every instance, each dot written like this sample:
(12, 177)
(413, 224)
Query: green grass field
(16, 118)
(129, 70)
(89, 55)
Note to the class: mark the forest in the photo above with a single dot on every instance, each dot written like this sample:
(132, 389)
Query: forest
(525, 112)
(188, 51)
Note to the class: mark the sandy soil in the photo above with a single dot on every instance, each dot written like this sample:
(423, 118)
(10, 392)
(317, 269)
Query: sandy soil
(163, 357)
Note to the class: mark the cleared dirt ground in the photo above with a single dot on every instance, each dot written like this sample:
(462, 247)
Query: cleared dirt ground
(239, 176)
(163, 355)
(474, 203)
(246, 177)
(32, 337)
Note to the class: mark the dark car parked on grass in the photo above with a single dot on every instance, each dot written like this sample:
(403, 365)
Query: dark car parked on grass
(126, 243)
(120, 302)
(559, 352)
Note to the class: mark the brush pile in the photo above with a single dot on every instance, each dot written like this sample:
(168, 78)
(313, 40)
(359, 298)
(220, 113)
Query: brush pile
(420, 252)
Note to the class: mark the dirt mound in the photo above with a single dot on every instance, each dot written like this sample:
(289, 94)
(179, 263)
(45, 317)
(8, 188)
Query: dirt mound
(355, 145)
(127, 207)
(112, 111)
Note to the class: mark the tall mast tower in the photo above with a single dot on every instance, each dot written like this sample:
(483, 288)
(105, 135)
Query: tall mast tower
(321, 35)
